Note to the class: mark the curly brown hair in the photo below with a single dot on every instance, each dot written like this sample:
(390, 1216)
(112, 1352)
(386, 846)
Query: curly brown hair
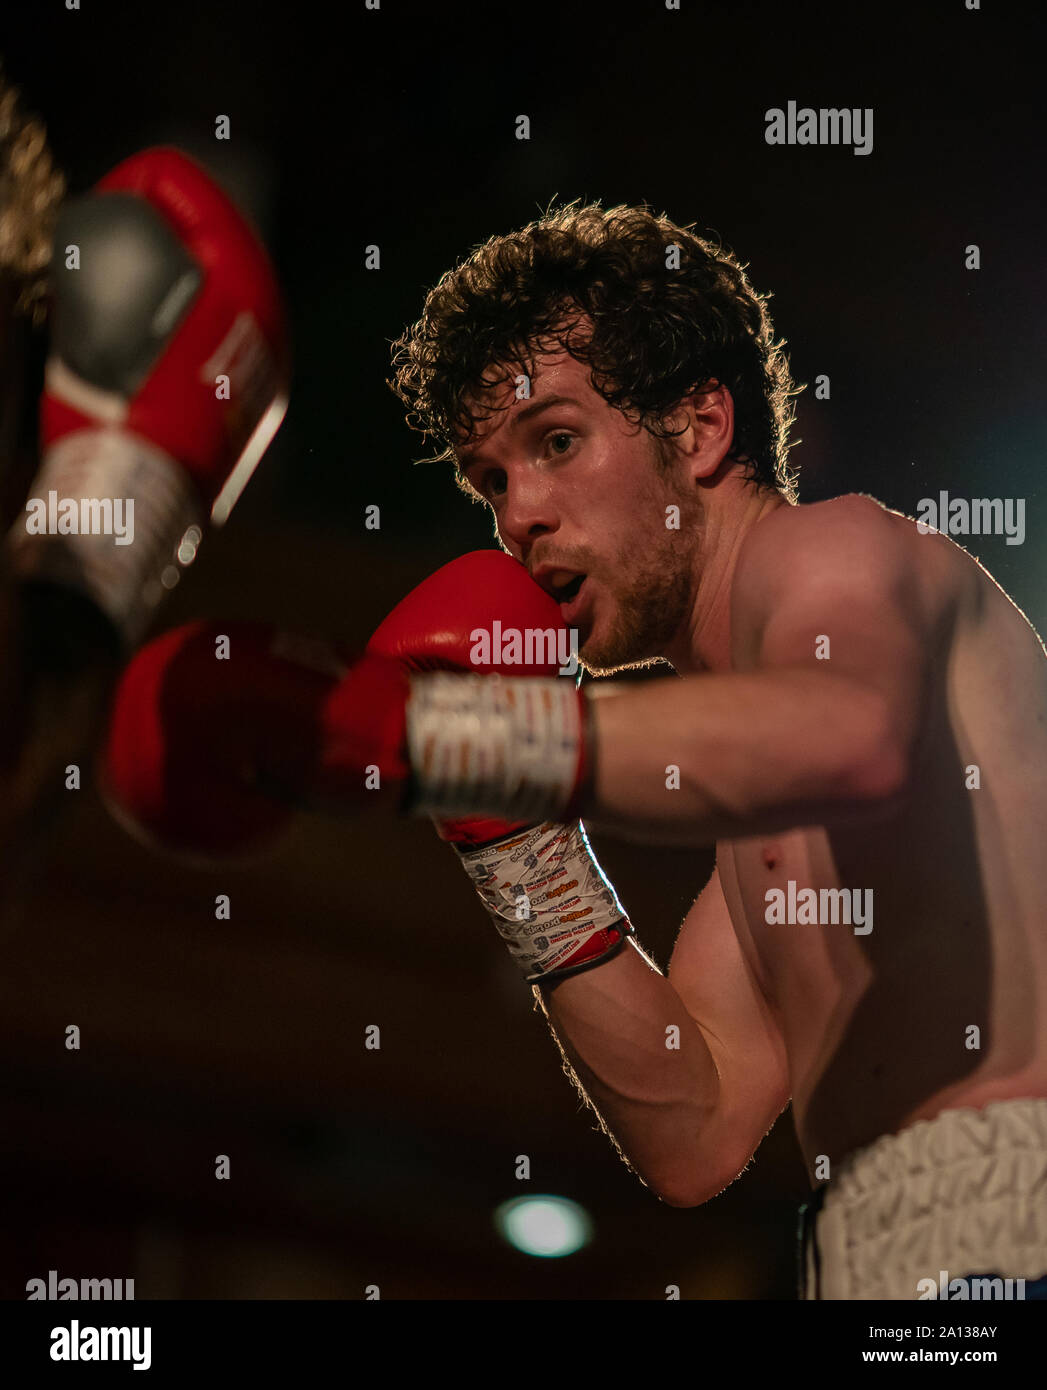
(606, 286)
(31, 192)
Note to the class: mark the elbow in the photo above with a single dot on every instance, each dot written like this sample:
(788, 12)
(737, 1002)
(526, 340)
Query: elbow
(681, 1197)
(878, 769)
(880, 781)
(692, 1192)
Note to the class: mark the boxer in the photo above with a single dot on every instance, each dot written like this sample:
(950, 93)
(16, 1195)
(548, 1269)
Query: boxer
(858, 722)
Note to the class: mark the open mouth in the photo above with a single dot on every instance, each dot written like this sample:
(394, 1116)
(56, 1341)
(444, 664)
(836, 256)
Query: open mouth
(564, 593)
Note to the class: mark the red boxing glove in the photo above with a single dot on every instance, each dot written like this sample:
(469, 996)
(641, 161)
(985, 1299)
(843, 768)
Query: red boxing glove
(471, 608)
(217, 730)
(537, 878)
(166, 382)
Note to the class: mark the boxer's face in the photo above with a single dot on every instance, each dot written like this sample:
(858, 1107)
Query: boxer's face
(580, 494)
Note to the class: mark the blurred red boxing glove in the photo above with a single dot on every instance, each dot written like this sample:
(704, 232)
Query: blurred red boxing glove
(218, 730)
(166, 380)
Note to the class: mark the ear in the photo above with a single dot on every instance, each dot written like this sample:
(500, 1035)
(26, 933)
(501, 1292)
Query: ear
(707, 415)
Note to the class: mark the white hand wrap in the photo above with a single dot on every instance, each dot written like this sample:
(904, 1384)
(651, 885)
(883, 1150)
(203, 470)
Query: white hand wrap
(492, 745)
(548, 898)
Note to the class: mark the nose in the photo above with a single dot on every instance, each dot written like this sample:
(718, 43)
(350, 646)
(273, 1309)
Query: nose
(527, 513)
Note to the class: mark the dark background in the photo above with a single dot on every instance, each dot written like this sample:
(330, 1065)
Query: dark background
(396, 127)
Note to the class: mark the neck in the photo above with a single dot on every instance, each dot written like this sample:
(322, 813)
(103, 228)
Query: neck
(704, 643)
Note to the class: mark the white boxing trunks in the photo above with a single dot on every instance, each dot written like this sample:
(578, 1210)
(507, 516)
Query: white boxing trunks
(962, 1195)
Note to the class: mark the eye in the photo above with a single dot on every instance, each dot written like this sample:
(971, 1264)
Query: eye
(494, 483)
(560, 438)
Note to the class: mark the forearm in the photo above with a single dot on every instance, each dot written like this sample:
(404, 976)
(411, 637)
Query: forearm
(706, 758)
(646, 1068)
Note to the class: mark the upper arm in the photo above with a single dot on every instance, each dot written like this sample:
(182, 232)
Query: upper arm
(839, 589)
(709, 972)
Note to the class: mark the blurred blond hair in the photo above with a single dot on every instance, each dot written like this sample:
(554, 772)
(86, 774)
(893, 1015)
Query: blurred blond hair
(31, 192)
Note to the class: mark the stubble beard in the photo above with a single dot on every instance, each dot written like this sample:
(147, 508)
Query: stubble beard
(652, 591)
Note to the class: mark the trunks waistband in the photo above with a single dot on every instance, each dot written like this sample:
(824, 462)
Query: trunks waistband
(964, 1193)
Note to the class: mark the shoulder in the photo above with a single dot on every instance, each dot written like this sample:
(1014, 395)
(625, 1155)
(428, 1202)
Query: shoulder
(850, 555)
(822, 529)
(849, 542)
